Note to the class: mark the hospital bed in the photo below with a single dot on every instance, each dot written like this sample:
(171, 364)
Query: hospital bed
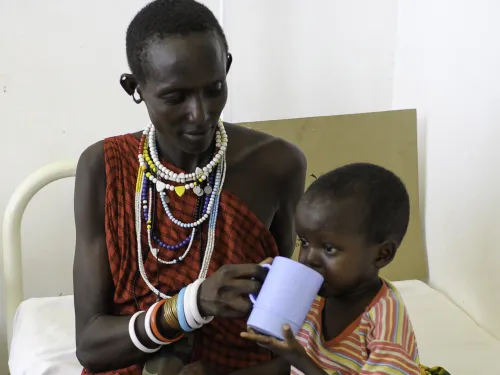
(41, 331)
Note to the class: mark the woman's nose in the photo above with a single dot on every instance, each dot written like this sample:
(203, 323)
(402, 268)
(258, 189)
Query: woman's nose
(197, 110)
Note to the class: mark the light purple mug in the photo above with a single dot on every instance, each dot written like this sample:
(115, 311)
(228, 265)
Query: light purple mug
(286, 297)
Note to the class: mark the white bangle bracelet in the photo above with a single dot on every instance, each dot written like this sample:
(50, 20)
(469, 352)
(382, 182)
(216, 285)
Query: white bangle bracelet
(133, 335)
(193, 303)
(187, 309)
(147, 325)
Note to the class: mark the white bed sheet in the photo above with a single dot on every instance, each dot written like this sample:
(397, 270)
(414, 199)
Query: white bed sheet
(44, 335)
(447, 336)
(43, 340)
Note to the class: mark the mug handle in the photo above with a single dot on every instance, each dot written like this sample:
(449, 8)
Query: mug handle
(253, 299)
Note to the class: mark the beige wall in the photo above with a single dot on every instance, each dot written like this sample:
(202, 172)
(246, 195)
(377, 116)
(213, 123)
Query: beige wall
(450, 73)
(385, 138)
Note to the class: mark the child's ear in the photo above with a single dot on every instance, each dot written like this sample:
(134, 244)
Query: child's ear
(385, 253)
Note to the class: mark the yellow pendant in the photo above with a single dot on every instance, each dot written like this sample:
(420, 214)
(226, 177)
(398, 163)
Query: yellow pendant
(180, 190)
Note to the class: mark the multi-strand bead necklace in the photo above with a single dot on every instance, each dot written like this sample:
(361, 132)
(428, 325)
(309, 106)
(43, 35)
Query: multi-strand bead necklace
(155, 178)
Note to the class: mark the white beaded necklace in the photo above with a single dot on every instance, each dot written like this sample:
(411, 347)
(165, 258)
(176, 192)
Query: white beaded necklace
(165, 173)
(211, 213)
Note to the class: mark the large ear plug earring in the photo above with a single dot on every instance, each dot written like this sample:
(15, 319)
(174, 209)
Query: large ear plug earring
(229, 61)
(137, 97)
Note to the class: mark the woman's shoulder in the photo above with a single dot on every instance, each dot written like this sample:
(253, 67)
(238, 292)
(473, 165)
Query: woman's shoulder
(245, 142)
(123, 140)
(248, 138)
(91, 161)
(97, 149)
(97, 157)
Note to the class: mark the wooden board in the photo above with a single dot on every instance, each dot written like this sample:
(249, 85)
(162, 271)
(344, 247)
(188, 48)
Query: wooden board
(388, 139)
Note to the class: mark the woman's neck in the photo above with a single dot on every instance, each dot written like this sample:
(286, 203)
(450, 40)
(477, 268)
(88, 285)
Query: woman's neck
(169, 151)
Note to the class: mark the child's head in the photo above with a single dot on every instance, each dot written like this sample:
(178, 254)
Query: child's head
(350, 223)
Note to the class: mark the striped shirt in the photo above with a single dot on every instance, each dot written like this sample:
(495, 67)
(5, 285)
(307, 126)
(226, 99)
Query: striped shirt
(381, 341)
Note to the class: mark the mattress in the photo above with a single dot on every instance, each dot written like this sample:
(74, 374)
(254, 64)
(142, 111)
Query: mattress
(44, 335)
(447, 336)
(43, 338)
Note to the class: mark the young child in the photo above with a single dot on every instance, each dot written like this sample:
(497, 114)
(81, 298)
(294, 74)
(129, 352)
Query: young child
(350, 223)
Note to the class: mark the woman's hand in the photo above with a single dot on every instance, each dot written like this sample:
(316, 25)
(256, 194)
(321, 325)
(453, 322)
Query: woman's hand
(290, 349)
(225, 293)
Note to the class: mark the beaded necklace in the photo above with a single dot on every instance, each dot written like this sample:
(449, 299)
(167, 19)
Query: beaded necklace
(184, 181)
(150, 178)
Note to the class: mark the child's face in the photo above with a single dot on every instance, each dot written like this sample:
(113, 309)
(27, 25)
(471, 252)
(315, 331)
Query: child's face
(332, 245)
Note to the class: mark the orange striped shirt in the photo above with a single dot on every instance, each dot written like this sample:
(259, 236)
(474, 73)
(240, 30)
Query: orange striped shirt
(380, 342)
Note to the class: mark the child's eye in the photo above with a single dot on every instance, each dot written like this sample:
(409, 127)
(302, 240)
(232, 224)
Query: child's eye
(329, 249)
(303, 242)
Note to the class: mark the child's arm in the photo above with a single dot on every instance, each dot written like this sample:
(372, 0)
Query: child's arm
(289, 351)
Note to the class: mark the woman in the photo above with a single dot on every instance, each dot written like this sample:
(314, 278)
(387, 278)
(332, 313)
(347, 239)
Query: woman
(188, 202)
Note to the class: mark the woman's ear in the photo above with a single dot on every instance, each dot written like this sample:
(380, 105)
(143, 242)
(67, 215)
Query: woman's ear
(129, 84)
(229, 61)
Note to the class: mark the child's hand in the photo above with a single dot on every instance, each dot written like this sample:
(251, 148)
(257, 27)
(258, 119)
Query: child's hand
(290, 349)
(266, 261)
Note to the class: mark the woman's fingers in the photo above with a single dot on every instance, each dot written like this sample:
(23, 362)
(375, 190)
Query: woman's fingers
(242, 287)
(240, 271)
(228, 288)
(240, 306)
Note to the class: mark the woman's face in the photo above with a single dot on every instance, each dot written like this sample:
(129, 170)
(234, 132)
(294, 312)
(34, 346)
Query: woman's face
(185, 90)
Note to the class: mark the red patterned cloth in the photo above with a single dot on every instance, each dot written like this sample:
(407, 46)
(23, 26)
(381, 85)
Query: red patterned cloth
(240, 238)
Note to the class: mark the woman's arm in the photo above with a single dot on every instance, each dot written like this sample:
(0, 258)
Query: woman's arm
(292, 167)
(102, 340)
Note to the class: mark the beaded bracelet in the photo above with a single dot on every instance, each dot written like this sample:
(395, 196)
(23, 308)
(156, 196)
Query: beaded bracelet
(188, 308)
(170, 313)
(133, 335)
(154, 325)
(148, 322)
(192, 304)
(180, 312)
